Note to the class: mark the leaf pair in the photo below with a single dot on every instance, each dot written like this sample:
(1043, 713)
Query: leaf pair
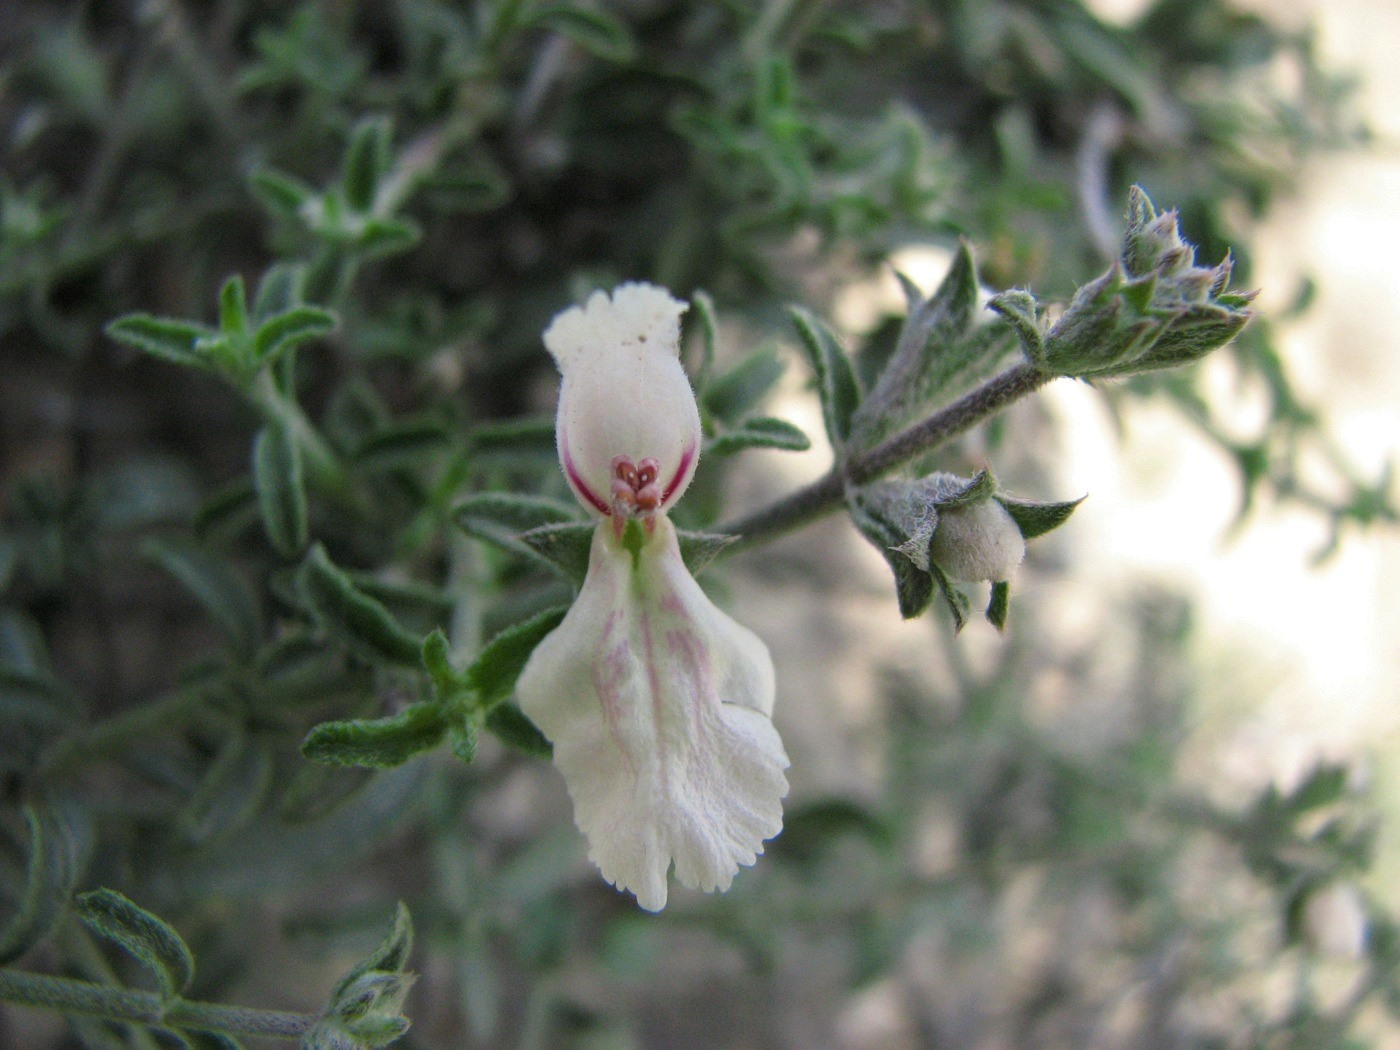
(727, 402)
(242, 345)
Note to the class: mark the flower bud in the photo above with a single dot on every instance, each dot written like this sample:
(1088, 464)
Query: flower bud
(977, 541)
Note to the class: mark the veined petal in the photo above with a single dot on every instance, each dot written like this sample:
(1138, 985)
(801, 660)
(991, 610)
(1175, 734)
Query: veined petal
(658, 706)
(624, 394)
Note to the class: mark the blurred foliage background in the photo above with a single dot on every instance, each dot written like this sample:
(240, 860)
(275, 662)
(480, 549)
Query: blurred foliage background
(341, 227)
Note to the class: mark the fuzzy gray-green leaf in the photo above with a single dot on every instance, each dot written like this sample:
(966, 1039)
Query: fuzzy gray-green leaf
(837, 385)
(151, 940)
(52, 870)
(281, 488)
(760, 433)
(216, 585)
(162, 337)
(352, 617)
(510, 725)
(494, 671)
(289, 329)
(379, 743)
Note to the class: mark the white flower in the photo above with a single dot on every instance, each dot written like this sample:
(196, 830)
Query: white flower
(657, 703)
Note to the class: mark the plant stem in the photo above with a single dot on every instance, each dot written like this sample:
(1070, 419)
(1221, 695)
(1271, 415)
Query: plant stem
(146, 1008)
(829, 492)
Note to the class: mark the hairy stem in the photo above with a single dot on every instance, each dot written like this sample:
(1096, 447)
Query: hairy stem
(829, 492)
(146, 1008)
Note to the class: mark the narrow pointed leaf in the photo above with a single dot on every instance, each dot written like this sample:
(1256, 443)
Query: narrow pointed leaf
(510, 725)
(1000, 605)
(913, 585)
(352, 617)
(216, 585)
(162, 337)
(563, 547)
(289, 329)
(703, 310)
(1034, 518)
(699, 549)
(737, 392)
(379, 743)
(52, 870)
(151, 940)
(953, 599)
(233, 307)
(760, 433)
(279, 290)
(281, 489)
(232, 791)
(391, 956)
(836, 377)
(366, 160)
(494, 671)
(281, 193)
(597, 31)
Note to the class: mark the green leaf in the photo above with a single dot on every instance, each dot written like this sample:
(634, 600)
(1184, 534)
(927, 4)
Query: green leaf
(913, 585)
(703, 308)
(537, 527)
(999, 606)
(510, 725)
(233, 307)
(527, 438)
(162, 337)
(206, 1040)
(597, 31)
(382, 237)
(734, 394)
(366, 160)
(379, 743)
(1325, 785)
(760, 433)
(279, 291)
(281, 193)
(698, 549)
(953, 599)
(1034, 518)
(390, 957)
(216, 585)
(564, 547)
(232, 791)
(281, 488)
(504, 515)
(404, 444)
(152, 941)
(289, 329)
(52, 870)
(227, 511)
(836, 377)
(938, 353)
(36, 698)
(494, 671)
(448, 682)
(353, 618)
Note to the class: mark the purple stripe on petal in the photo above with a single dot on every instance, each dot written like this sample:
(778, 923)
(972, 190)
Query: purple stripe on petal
(682, 472)
(584, 492)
